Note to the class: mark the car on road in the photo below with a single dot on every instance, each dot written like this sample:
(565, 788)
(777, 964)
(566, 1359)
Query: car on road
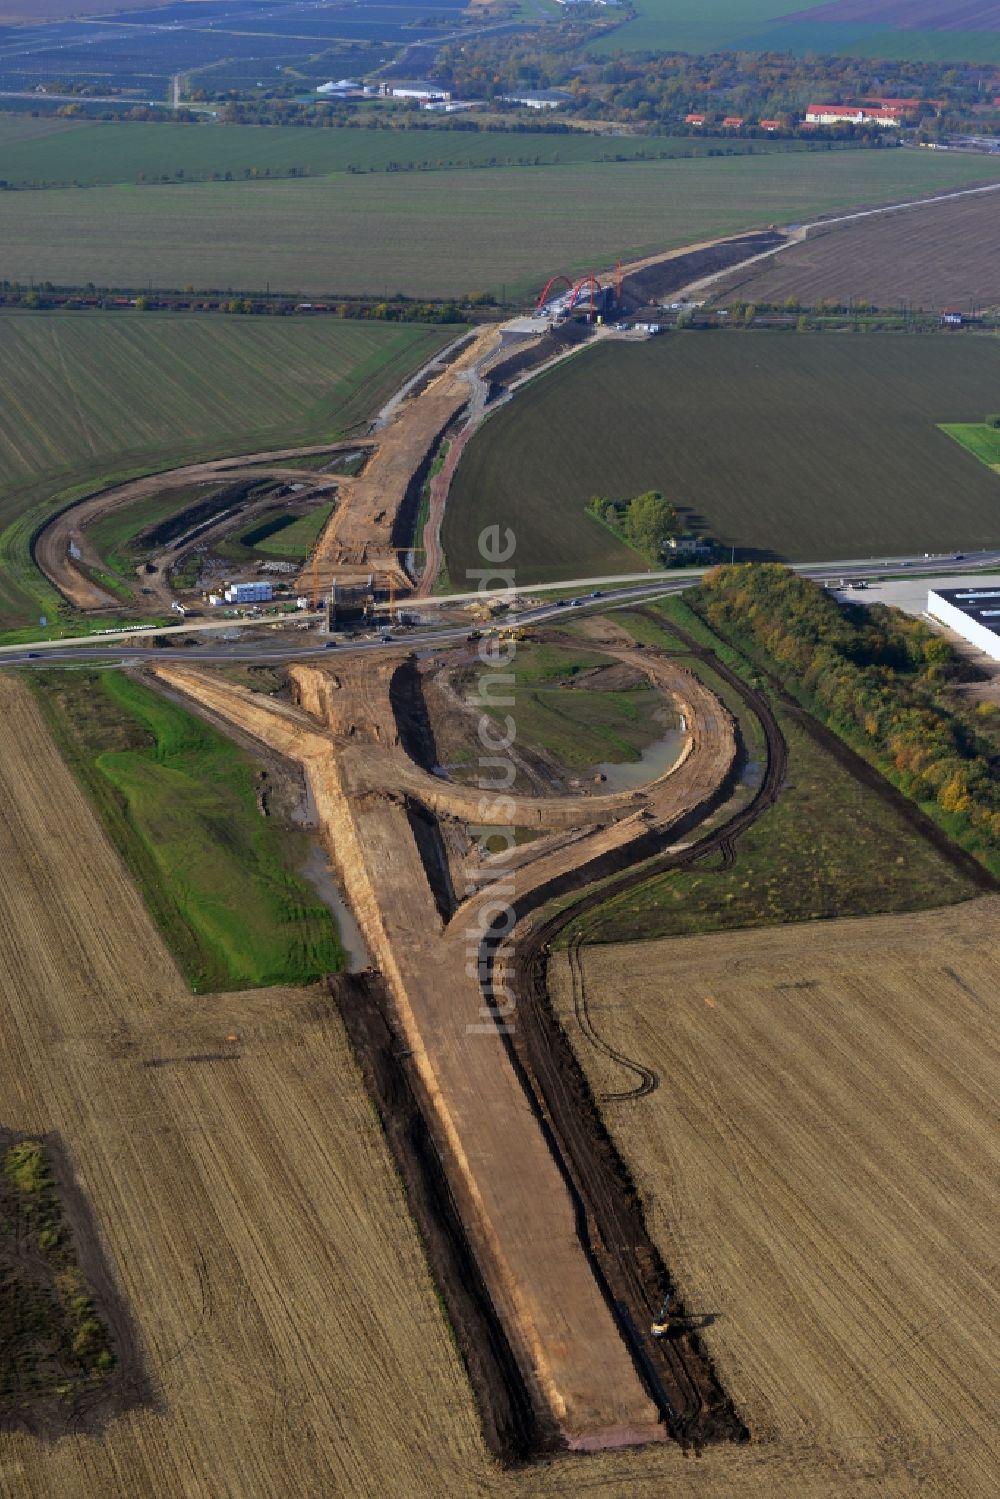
(330, 645)
(576, 603)
(597, 594)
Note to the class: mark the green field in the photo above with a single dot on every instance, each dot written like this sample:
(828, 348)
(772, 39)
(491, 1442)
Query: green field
(573, 718)
(688, 25)
(981, 441)
(762, 26)
(802, 859)
(275, 533)
(440, 233)
(784, 445)
(179, 801)
(87, 155)
(295, 541)
(114, 534)
(86, 398)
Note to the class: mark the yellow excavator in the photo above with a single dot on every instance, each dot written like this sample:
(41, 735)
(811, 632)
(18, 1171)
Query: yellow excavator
(663, 1322)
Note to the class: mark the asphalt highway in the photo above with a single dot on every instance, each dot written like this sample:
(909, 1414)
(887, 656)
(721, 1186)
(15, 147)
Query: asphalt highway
(593, 594)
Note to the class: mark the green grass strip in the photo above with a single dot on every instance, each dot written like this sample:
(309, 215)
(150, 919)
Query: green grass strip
(179, 801)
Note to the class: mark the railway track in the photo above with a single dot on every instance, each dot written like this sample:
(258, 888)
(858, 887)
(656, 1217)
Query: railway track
(609, 1212)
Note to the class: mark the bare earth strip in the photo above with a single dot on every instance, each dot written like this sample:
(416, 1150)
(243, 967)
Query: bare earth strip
(362, 533)
(513, 1201)
(932, 256)
(821, 1160)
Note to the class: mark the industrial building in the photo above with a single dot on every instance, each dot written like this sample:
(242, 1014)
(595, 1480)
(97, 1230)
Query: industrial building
(419, 89)
(973, 613)
(552, 98)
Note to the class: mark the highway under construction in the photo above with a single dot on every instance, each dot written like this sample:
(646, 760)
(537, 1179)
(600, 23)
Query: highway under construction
(570, 1322)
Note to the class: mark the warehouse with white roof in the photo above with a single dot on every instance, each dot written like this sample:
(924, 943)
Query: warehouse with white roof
(973, 613)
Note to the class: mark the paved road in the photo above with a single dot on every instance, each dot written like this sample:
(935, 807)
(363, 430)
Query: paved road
(593, 594)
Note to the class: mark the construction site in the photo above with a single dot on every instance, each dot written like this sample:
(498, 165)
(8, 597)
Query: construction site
(464, 1163)
(369, 554)
(391, 827)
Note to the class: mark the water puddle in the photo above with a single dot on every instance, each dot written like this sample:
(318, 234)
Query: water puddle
(655, 760)
(752, 774)
(321, 877)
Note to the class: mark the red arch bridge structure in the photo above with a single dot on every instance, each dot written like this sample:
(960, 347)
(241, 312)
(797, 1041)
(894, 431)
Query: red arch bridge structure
(587, 287)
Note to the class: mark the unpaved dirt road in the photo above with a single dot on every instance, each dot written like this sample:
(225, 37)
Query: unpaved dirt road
(362, 533)
(51, 548)
(517, 1211)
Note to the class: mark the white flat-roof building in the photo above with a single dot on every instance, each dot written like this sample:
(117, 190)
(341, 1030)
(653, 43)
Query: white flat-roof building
(420, 89)
(552, 98)
(249, 593)
(853, 114)
(973, 613)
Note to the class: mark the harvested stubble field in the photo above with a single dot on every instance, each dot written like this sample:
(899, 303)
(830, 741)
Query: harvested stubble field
(243, 1190)
(441, 233)
(784, 445)
(939, 255)
(819, 1163)
(248, 1206)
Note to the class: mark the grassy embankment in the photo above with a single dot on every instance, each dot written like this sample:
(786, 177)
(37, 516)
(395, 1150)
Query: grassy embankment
(440, 233)
(139, 392)
(115, 534)
(293, 541)
(179, 801)
(831, 846)
(792, 446)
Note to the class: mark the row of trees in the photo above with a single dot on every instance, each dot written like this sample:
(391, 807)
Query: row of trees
(661, 87)
(877, 674)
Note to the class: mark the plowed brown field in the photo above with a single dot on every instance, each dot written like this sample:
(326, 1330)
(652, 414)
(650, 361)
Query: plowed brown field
(821, 1159)
(938, 255)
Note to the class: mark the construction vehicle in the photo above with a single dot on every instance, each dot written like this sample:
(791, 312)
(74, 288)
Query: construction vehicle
(663, 1322)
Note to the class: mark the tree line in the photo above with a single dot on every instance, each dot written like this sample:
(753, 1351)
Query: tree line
(882, 679)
